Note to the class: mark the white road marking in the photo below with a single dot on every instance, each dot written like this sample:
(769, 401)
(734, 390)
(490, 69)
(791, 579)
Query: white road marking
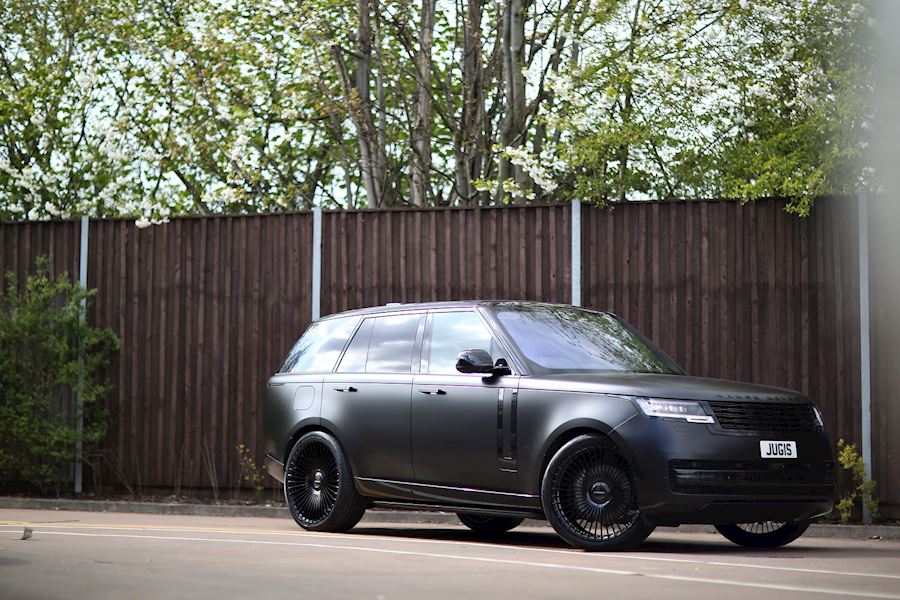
(477, 543)
(544, 565)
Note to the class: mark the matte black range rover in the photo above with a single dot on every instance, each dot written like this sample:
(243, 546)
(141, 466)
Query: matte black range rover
(503, 410)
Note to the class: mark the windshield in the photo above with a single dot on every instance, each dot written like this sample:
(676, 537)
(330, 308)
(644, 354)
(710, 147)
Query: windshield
(563, 339)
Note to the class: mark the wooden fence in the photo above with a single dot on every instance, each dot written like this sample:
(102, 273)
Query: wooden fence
(206, 307)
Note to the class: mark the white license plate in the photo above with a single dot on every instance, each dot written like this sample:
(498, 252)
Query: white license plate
(773, 449)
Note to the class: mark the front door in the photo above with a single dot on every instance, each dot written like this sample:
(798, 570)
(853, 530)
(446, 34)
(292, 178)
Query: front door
(463, 425)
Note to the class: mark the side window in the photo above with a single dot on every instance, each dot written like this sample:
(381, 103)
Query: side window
(318, 349)
(453, 332)
(391, 348)
(354, 360)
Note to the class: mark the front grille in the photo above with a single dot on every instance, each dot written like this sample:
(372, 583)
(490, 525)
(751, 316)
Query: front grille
(764, 416)
(763, 478)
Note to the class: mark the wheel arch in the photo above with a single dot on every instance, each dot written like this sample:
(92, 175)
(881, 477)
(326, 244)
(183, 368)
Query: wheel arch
(571, 430)
(301, 429)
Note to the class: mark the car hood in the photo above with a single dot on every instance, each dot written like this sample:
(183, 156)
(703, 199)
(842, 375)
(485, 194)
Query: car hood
(659, 386)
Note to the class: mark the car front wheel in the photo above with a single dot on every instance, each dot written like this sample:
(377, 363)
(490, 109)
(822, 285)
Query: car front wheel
(318, 485)
(764, 534)
(589, 497)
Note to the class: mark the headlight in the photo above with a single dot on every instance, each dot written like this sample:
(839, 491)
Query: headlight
(692, 412)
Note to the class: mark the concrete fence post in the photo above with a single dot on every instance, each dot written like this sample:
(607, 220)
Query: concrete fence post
(576, 252)
(79, 397)
(865, 363)
(317, 263)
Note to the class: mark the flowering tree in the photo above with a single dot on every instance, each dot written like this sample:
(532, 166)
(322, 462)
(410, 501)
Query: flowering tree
(61, 152)
(161, 107)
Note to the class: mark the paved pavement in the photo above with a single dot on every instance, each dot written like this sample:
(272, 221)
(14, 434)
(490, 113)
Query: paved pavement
(100, 555)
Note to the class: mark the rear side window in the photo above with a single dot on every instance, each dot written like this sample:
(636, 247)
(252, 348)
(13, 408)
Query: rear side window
(354, 360)
(318, 349)
(391, 348)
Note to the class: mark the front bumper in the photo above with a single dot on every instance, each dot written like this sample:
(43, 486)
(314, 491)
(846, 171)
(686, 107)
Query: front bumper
(698, 473)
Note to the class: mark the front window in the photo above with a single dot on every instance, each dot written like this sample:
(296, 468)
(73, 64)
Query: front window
(453, 332)
(563, 339)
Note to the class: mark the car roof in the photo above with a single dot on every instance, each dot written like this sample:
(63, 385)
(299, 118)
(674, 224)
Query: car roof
(404, 307)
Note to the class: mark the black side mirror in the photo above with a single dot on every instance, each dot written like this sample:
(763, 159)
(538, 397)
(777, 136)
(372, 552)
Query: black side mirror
(474, 361)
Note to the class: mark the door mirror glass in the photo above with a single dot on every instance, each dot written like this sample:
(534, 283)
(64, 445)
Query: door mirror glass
(474, 361)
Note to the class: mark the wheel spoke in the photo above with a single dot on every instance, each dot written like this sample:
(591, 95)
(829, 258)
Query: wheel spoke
(594, 495)
(312, 482)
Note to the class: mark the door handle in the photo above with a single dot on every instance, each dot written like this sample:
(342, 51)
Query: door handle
(435, 392)
(346, 389)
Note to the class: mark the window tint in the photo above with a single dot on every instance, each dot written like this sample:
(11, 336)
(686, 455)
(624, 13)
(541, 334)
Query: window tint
(391, 348)
(354, 360)
(318, 349)
(453, 332)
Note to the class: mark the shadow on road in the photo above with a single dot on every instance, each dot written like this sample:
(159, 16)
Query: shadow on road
(663, 541)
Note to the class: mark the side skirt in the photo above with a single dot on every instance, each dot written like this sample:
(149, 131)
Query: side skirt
(494, 512)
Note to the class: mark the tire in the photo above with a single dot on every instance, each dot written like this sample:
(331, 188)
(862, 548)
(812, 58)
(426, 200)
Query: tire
(765, 534)
(589, 497)
(318, 485)
(487, 524)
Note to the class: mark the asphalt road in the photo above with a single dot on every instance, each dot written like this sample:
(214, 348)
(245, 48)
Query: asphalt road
(100, 555)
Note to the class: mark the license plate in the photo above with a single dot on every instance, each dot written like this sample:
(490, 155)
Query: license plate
(772, 449)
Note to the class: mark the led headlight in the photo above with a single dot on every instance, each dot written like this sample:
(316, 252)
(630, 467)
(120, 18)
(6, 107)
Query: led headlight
(692, 412)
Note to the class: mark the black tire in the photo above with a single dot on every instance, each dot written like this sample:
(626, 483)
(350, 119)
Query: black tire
(488, 524)
(318, 485)
(765, 534)
(589, 497)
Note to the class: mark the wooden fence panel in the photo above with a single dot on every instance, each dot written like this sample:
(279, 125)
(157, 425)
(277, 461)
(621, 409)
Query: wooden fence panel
(372, 258)
(738, 292)
(207, 307)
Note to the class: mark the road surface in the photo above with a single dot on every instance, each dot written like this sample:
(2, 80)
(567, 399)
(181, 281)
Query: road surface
(103, 555)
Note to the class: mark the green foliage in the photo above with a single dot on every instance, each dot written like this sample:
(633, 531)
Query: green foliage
(249, 472)
(40, 335)
(155, 108)
(863, 487)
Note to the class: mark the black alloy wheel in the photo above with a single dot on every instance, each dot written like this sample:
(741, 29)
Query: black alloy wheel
(488, 524)
(318, 485)
(763, 534)
(589, 497)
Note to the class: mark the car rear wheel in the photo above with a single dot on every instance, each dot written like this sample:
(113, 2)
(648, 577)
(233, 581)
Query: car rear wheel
(488, 524)
(763, 534)
(589, 497)
(318, 485)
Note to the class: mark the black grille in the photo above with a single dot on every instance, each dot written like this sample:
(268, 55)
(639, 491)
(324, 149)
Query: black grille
(783, 478)
(764, 416)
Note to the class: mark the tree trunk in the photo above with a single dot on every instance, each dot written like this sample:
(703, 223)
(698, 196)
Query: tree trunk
(357, 96)
(626, 108)
(422, 116)
(469, 136)
(513, 131)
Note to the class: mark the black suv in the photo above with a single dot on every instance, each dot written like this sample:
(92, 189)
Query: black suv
(504, 410)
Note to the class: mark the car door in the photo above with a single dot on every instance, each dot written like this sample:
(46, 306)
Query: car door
(463, 425)
(367, 402)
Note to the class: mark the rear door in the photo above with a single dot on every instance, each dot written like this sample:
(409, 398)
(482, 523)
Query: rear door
(463, 425)
(367, 401)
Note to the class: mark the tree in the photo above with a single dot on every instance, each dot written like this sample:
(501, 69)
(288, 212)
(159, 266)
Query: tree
(42, 336)
(165, 107)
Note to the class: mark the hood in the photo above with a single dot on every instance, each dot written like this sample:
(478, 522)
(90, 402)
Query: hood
(672, 387)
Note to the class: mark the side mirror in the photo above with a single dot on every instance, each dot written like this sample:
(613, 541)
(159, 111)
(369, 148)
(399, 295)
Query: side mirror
(474, 361)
